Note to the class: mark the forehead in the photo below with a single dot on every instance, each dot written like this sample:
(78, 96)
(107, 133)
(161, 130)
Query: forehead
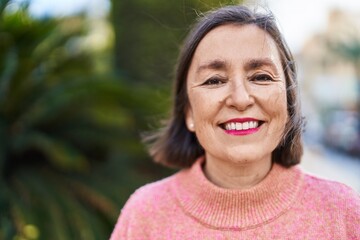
(236, 43)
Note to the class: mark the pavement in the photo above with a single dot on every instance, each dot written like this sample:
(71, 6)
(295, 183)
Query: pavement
(330, 164)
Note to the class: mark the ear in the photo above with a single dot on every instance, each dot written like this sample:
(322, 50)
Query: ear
(189, 119)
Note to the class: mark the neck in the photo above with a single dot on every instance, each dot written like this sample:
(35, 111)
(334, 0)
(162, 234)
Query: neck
(237, 209)
(234, 175)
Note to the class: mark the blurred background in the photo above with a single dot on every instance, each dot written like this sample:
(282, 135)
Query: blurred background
(80, 81)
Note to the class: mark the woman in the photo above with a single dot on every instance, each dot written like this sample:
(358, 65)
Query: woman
(236, 132)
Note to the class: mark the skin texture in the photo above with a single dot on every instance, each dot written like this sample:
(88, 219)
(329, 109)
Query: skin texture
(236, 72)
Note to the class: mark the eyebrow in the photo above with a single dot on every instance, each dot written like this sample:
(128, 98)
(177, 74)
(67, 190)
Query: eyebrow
(253, 64)
(216, 64)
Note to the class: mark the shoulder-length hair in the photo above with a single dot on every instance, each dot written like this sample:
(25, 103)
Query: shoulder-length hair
(174, 145)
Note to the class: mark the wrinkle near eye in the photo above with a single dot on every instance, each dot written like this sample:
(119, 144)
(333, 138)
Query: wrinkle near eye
(263, 74)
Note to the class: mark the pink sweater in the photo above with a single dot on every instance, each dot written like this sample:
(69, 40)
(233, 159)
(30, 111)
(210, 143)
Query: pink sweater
(287, 204)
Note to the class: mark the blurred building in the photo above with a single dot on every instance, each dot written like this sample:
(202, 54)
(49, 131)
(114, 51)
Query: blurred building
(329, 67)
(328, 78)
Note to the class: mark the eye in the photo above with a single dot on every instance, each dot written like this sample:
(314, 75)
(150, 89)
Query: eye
(262, 78)
(214, 81)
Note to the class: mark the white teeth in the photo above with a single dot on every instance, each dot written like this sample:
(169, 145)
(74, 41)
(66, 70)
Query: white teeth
(241, 126)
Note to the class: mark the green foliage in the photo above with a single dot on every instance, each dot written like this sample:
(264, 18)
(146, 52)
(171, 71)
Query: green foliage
(70, 152)
(148, 35)
(67, 134)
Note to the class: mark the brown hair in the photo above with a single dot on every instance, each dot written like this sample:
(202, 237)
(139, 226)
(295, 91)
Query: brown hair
(174, 145)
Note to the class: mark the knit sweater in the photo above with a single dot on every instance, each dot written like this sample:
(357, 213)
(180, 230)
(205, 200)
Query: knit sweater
(287, 204)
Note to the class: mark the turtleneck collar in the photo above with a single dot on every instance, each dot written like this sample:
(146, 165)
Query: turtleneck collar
(236, 209)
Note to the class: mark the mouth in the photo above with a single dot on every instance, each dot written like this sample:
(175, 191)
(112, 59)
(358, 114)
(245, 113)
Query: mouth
(241, 126)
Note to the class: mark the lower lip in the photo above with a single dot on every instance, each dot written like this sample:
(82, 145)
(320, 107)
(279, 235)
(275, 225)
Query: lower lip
(242, 132)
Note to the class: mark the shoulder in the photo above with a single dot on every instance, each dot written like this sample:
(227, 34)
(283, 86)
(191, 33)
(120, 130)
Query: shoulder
(332, 202)
(332, 196)
(335, 200)
(328, 189)
(146, 206)
(151, 197)
(152, 193)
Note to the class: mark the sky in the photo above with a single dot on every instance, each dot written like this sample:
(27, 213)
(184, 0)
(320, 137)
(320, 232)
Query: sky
(96, 8)
(298, 19)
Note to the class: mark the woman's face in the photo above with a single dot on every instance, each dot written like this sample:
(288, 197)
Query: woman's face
(237, 93)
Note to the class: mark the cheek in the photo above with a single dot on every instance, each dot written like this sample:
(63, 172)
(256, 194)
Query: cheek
(203, 104)
(196, 105)
(274, 101)
(278, 107)
(279, 101)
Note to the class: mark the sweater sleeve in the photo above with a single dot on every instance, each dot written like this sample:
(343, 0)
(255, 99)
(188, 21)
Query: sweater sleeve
(122, 225)
(353, 215)
(137, 216)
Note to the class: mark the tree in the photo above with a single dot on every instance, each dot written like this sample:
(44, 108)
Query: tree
(70, 151)
(148, 35)
(67, 134)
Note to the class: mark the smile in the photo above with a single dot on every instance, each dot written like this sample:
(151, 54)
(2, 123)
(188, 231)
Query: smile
(241, 126)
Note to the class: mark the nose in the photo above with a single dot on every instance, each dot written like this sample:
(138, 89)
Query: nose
(239, 96)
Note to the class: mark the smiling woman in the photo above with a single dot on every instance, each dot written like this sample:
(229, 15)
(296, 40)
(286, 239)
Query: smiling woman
(237, 105)
(236, 132)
